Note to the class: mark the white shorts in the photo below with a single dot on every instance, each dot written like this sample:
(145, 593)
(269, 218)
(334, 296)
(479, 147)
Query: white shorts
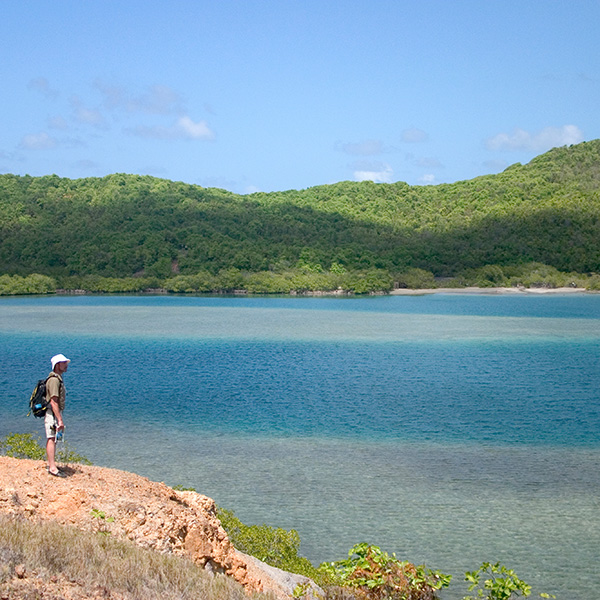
(51, 424)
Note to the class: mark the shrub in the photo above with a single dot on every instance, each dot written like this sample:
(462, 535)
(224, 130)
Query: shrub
(229, 280)
(25, 445)
(275, 546)
(314, 281)
(367, 282)
(539, 275)
(501, 584)
(378, 575)
(200, 282)
(22, 445)
(487, 276)
(267, 282)
(32, 284)
(416, 279)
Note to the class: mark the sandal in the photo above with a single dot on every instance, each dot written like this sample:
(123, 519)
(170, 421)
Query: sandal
(58, 473)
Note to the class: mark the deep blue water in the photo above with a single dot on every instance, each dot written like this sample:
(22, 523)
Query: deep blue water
(449, 428)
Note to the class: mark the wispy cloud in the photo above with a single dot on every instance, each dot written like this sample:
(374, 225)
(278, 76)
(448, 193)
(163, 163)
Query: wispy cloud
(11, 156)
(58, 122)
(87, 116)
(540, 141)
(379, 172)
(84, 163)
(364, 148)
(184, 128)
(38, 141)
(427, 179)
(42, 85)
(193, 131)
(413, 135)
(429, 162)
(156, 99)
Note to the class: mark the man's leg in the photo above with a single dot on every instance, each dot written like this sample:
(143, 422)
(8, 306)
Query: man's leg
(50, 454)
(50, 426)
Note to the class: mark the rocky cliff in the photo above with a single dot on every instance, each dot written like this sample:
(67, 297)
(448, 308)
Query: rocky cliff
(148, 513)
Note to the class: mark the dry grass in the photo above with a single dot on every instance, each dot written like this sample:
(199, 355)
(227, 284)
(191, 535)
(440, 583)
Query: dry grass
(98, 562)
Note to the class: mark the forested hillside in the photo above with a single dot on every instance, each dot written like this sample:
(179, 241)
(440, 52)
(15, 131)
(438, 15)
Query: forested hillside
(129, 226)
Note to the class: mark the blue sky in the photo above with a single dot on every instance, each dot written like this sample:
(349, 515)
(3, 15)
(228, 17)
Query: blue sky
(266, 95)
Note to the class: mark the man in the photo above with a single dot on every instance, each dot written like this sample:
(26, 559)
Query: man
(55, 394)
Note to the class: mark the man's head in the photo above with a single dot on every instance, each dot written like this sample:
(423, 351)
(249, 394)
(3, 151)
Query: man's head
(60, 363)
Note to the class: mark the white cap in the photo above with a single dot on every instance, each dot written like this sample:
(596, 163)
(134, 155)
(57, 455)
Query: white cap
(59, 358)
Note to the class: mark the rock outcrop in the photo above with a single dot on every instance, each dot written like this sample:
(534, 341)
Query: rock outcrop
(148, 513)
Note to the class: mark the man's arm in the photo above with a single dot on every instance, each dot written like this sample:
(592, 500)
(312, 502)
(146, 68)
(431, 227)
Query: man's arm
(57, 413)
(53, 385)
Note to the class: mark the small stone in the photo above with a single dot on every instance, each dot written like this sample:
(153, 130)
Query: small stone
(20, 571)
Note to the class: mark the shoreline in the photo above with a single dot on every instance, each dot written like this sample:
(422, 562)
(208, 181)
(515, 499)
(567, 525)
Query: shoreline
(492, 291)
(459, 291)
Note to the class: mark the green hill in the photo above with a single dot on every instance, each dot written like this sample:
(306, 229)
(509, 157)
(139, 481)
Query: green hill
(121, 226)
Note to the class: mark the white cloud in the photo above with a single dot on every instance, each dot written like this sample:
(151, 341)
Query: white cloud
(543, 140)
(184, 128)
(414, 135)
(193, 131)
(377, 172)
(38, 141)
(428, 179)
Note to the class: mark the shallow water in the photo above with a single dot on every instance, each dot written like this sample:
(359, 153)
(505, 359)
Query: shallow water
(448, 429)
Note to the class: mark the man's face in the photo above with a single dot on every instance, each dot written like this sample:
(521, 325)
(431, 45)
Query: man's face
(62, 367)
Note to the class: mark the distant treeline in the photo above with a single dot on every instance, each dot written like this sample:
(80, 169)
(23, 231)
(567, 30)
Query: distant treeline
(231, 281)
(536, 223)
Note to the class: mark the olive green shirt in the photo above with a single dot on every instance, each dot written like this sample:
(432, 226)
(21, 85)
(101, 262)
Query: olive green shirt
(56, 387)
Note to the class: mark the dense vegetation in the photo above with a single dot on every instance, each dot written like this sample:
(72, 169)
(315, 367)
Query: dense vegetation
(128, 232)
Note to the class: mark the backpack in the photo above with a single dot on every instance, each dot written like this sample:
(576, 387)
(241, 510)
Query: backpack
(38, 405)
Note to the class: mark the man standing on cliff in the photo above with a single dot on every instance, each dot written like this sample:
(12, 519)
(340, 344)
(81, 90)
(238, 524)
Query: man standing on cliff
(55, 394)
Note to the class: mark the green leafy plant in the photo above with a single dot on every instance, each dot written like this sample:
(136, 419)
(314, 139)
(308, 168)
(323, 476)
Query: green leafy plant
(25, 445)
(300, 590)
(101, 521)
(31, 284)
(380, 575)
(501, 583)
(22, 445)
(272, 545)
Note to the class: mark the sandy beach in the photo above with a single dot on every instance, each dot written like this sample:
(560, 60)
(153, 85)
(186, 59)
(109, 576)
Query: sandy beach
(490, 291)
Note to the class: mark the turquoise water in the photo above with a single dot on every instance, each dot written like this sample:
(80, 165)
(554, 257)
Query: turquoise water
(449, 429)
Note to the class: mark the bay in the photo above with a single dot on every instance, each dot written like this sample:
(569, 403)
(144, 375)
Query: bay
(449, 429)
